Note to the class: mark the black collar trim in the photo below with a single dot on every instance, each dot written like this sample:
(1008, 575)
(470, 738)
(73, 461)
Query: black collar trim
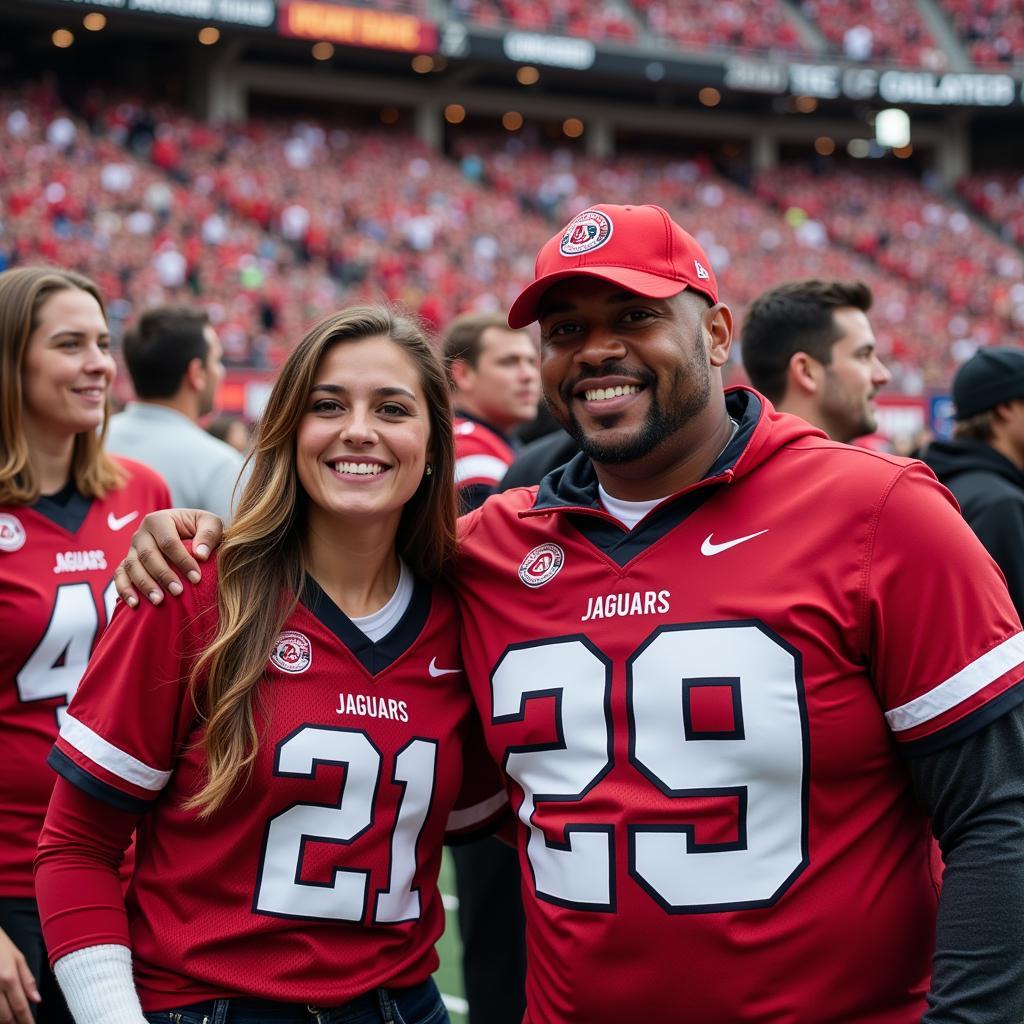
(67, 508)
(374, 657)
(572, 490)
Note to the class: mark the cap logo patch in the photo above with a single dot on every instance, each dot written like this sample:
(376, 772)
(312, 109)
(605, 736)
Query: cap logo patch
(701, 272)
(586, 232)
(12, 533)
(541, 564)
(293, 653)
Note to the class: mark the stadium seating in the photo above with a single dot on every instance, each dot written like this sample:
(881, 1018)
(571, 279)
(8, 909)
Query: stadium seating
(270, 225)
(999, 198)
(992, 30)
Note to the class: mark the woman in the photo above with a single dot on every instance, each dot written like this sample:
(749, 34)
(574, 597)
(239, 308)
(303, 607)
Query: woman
(289, 738)
(65, 506)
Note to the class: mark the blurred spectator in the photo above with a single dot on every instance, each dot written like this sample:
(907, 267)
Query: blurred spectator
(232, 430)
(983, 465)
(809, 348)
(174, 359)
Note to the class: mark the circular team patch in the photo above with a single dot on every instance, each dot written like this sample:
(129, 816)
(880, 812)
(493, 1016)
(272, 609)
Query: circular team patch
(587, 231)
(12, 533)
(541, 564)
(293, 653)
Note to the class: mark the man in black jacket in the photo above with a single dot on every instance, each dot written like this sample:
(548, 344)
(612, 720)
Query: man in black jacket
(984, 463)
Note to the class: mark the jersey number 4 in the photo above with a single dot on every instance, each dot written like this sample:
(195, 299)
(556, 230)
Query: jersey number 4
(756, 761)
(280, 892)
(58, 662)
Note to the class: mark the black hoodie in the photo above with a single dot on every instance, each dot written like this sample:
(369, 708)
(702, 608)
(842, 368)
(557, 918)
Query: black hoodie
(990, 491)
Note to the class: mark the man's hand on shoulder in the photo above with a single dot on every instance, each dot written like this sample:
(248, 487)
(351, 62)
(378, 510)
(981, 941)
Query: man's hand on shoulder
(157, 546)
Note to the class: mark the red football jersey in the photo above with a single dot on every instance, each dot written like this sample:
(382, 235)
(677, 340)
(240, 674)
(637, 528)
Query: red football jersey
(57, 565)
(702, 720)
(482, 455)
(317, 881)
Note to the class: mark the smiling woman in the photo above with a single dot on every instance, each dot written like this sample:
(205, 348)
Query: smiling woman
(64, 504)
(329, 758)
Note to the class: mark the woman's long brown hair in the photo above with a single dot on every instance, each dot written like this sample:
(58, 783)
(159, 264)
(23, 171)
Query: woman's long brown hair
(23, 292)
(261, 564)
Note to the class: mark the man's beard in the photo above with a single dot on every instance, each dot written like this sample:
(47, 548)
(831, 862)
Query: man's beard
(659, 423)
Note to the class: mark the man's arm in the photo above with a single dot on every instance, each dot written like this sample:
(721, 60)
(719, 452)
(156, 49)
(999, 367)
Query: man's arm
(156, 547)
(974, 792)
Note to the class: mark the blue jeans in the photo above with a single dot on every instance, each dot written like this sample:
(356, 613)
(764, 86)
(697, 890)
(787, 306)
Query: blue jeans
(420, 1004)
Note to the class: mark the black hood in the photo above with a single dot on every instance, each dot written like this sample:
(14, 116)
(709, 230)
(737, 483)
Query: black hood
(950, 459)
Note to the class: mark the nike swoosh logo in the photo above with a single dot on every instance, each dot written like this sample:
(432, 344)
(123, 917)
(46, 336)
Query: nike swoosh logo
(709, 548)
(120, 522)
(435, 671)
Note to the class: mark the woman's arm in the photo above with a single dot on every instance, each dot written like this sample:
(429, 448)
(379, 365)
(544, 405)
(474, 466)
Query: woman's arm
(81, 905)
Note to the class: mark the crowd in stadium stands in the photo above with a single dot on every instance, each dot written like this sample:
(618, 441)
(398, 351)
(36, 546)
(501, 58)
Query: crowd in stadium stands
(914, 234)
(875, 30)
(601, 21)
(271, 225)
(695, 24)
(992, 30)
(881, 31)
(999, 198)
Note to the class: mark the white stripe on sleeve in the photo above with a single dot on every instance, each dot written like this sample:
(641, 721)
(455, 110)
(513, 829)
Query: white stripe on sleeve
(469, 816)
(474, 467)
(113, 759)
(957, 688)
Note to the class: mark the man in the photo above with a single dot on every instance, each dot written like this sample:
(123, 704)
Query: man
(736, 674)
(496, 382)
(809, 348)
(174, 359)
(983, 465)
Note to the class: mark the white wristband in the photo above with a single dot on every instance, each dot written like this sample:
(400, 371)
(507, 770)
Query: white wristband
(98, 985)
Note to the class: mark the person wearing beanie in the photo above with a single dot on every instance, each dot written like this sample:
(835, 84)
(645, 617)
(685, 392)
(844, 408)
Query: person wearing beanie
(983, 463)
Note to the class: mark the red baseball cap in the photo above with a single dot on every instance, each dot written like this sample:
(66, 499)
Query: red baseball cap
(638, 247)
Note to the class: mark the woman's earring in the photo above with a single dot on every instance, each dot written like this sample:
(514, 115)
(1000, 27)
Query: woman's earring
(428, 470)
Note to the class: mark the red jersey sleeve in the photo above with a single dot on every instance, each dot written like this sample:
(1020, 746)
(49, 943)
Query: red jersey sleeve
(944, 641)
(80, 851)
(481, 456)
(133, 709)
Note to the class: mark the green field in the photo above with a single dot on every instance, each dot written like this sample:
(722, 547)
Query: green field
(449, 974)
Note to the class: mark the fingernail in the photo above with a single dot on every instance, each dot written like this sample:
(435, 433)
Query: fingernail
(131, 601)
(155, 596)
(202, 550)
(194, 576)
(174, 588)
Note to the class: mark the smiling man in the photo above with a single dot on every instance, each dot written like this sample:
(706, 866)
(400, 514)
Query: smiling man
(809, 347)
(736, 674)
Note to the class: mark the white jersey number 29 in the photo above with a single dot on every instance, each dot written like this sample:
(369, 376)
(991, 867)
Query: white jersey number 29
(759, 763)
(56, 665)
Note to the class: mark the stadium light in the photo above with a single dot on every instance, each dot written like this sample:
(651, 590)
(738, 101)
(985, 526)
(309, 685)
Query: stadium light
(62, 38)
(512, 120)
(892, 128)
(423, 63)
(94, 21)
(322, 51)
(824, 146)
(527, 75)
(455, 113)
(572, 127)
(709, 96)
(209, 35)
